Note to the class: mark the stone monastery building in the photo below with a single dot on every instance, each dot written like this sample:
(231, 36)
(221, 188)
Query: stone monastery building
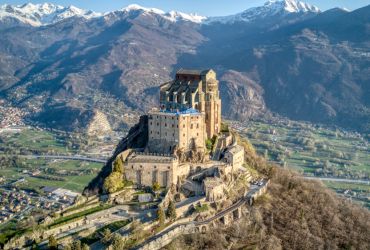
(189, 114)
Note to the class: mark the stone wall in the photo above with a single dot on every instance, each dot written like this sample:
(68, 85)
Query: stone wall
(235, 156)
(147, 169)
(168, 130)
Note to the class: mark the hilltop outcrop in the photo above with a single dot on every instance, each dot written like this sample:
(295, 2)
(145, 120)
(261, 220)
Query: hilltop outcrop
(294, 214)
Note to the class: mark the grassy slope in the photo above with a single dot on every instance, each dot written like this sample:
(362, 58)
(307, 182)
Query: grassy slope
(295, 214)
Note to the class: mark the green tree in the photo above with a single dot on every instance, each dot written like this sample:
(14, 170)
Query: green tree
(85, 247)
(160, 215)
(76, 245)
(171, 211)
(53, 243)
(113, 182)
(118, 166)
(156, 186)
(117, 242)
(209, 144)
(107, 236)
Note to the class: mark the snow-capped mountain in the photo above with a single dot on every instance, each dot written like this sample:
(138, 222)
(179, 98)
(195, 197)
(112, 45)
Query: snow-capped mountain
(47, 13)
(270, 8)
(42, 14)
(173, 16)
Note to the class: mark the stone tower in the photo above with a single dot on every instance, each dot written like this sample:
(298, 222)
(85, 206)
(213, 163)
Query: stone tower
(194, 89)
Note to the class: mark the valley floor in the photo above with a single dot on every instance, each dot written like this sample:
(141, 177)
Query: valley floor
(334, 155)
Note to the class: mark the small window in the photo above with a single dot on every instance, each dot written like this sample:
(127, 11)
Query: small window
(183, 135)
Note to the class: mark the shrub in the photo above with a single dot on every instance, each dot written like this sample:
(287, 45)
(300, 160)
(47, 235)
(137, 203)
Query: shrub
(156, 186)
(171, 211)
(113, 182)
(160, 216)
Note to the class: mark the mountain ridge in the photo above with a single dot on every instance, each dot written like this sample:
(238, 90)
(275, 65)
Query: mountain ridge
(48, 13)
(299, 65)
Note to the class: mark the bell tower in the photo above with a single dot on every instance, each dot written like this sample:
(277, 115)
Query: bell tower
(212, 106)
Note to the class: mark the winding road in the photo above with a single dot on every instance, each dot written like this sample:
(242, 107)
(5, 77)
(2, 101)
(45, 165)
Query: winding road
(338, 179)
(66, 157)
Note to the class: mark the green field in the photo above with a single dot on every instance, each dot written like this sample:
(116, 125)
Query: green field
(69, 174)
(314, 150)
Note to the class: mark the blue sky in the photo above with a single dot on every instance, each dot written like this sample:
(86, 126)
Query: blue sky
(202, 7)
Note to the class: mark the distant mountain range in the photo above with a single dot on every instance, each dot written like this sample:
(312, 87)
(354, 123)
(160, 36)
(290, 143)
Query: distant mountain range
(285, 56)
(47, 13)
